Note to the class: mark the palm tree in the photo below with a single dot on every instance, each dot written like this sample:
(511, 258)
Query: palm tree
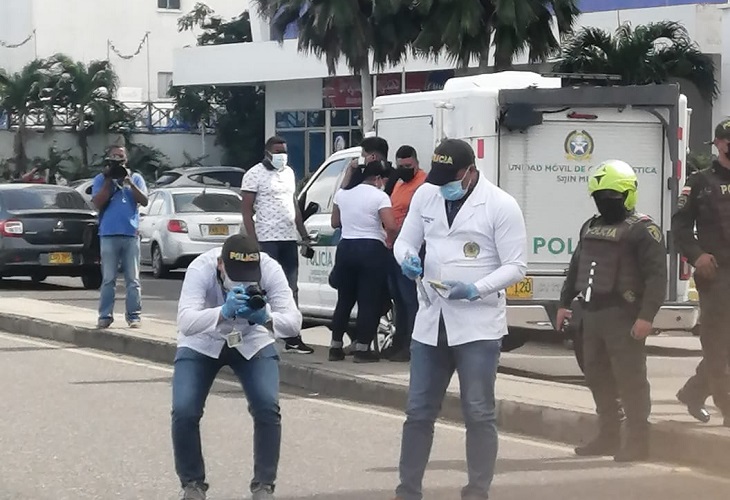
(650, 53)
(350, 30)
(21, 94)
(87, 95)
(465, 29)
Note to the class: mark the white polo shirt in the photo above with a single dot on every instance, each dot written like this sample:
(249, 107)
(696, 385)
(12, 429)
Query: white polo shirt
(274, 204)
(201, 300)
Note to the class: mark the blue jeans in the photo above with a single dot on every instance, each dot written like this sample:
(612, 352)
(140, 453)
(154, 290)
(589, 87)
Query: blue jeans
(116, 251)
(431, 371)
(192, 378)
(405, 299)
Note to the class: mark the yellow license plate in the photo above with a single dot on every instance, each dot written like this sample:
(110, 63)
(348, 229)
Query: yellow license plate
(60, 258)
(521, 290)
(218, 230)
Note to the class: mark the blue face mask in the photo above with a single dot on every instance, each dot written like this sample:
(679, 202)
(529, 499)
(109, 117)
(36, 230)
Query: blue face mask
(454, 190)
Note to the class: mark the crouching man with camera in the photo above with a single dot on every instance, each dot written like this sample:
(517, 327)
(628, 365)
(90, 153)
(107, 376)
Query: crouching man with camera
(234, 302)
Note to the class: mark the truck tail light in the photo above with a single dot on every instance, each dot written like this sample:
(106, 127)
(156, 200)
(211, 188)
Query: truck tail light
(11, 228)
(685, 270)
(177, 226)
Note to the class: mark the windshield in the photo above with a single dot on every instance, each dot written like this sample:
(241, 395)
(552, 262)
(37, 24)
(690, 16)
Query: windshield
(206, 202)
(167, 178)
(31, 198)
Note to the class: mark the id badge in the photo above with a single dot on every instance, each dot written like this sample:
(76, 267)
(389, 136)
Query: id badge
(234, 339)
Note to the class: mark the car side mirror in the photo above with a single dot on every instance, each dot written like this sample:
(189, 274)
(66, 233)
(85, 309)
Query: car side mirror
(312, 208)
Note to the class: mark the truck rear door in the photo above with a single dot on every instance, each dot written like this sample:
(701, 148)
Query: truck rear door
(546, 168)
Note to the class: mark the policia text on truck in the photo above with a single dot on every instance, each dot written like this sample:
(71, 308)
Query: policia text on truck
(619, 267)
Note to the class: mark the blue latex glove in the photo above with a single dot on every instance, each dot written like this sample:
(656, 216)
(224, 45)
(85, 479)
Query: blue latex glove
(411, 267)
(461, 291)
(259, 317)
(246, 312)
(235, 299)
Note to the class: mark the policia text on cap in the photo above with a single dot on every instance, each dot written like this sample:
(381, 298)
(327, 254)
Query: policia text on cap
(619, 267)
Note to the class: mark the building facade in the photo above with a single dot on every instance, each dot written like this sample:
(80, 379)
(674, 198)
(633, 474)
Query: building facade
(137, 36)
(318, 113)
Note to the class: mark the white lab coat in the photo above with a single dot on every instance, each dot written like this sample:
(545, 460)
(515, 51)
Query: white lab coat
(201, 301)
(486, 246)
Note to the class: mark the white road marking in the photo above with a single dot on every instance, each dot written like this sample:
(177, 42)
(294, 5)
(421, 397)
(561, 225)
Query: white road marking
(355, 407)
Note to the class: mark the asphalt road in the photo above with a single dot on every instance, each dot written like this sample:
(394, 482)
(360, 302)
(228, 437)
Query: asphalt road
(78, 425)
(550, 360)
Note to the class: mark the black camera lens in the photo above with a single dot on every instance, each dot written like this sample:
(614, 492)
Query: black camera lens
(256, 297)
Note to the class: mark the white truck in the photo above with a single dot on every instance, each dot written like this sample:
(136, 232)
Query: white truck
(540, 141)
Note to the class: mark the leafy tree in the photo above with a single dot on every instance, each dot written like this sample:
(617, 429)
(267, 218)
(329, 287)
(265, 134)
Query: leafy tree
(238, 111)
(148, 161)
(349, 30)
(465, 29)
(22, 94)
(650, 53)
(86, 93)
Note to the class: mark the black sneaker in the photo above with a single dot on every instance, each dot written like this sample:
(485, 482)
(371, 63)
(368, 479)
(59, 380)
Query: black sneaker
(400, 356)
(336, 354)
(297, 345)
(365, 357)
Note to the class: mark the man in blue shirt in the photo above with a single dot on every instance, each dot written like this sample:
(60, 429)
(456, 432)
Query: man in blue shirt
(117, 194)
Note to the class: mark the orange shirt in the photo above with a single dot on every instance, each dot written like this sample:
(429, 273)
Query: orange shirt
(402, 195)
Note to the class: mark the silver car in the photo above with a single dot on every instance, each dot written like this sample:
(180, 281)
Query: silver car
(181, 223)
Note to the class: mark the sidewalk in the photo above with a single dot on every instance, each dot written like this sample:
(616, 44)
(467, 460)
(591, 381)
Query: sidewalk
(537, 408)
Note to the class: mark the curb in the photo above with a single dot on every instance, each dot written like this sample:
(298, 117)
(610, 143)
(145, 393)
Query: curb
(671, 442)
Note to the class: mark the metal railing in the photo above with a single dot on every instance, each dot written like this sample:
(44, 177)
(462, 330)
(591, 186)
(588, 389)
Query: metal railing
(149, 117)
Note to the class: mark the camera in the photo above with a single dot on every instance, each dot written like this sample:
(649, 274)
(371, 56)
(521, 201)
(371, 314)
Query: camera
(117, 170)
(256, 297)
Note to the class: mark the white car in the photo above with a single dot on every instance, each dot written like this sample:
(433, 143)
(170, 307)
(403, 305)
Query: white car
(179, 224)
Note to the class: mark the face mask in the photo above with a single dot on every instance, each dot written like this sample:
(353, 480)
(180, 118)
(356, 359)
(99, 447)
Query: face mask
(407, 174)
(229, 284)
(611, 209)
(454, 190)
(278, 160)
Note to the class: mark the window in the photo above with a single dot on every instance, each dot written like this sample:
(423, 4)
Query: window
(156, 205)
(30, 198)
(168, 4)
(206, 202)
(322, 190)
(220, 179)
(232, 179)
(164, 80)
(167, 178)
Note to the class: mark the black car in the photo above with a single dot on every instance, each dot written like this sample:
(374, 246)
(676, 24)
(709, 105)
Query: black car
(48, 230)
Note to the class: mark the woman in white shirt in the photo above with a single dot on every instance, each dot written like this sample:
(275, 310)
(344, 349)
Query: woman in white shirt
(363, 211)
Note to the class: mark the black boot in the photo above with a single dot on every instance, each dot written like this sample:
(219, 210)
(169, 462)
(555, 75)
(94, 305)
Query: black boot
(606, 443)
(635, 447)
(695, 408)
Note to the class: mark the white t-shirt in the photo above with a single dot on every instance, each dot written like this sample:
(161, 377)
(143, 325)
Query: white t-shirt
(359, 212)
(274, 205)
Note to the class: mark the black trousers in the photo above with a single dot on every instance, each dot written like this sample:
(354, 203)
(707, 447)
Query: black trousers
(715, 338)
(615, 367)
(361, 277)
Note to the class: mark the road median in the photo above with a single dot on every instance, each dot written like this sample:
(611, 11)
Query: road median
(542, 409)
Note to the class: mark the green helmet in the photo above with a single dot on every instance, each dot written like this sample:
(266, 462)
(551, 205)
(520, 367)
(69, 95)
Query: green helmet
(615, 175)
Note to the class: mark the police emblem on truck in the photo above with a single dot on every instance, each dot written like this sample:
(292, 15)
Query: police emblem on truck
(579, 145)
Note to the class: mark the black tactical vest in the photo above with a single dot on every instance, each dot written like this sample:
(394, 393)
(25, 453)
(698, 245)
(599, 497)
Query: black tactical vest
(719, 204)
(616, 270)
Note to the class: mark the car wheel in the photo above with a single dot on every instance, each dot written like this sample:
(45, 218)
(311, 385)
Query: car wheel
(38, 277)
(159, 269)
(92, 279)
